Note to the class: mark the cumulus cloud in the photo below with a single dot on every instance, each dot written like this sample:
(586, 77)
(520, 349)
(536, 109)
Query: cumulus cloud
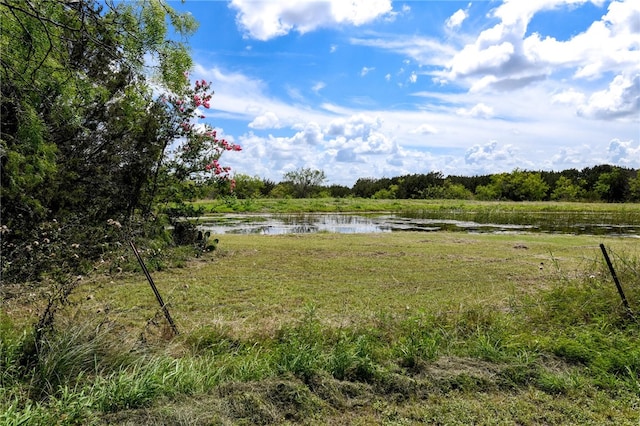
(413, 77)
(490, 153)
(479, 111)
(574, 157)
(375, 143)
(311, 134)
(268, 120)
(360, 125)
(264, 20)
(624, 153)
(346, 155)
(505, 57)
(621, 99)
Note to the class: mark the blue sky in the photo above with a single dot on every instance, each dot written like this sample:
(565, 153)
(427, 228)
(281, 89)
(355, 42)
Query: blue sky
(380, 88)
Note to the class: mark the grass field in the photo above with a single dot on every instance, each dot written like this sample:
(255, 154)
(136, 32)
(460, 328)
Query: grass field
(394, 328)
(260, 283)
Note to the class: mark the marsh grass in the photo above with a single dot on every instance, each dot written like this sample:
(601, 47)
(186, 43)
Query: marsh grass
(325, 329)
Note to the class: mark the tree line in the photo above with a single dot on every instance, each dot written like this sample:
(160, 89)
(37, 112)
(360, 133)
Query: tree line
(602, 183)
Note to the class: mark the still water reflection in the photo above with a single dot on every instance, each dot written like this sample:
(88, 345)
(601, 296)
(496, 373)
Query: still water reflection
(276, 224)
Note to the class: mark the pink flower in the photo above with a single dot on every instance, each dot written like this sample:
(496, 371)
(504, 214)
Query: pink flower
(206, 104)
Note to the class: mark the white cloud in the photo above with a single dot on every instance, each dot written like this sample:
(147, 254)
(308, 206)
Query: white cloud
(455, 20)
(621, 99)
(503, 57)
(311, 134)
(387, 77)
(413, 77)
(491, 154)
(318, 86)
(480, 110)
(366, 70)
(568, 97)
(356, 126)
(536, 130)
(264, 20)
(425, 129)
(268, 120)
(624, 153)
(424, 50)
(610, 44)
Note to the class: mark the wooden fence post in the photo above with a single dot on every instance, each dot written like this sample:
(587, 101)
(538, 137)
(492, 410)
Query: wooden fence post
(615, 280)
(155, 289)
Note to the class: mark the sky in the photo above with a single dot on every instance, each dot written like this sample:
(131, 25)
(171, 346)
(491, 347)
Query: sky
(381, 88)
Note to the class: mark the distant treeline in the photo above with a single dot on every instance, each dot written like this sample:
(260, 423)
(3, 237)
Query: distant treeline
(605, 183)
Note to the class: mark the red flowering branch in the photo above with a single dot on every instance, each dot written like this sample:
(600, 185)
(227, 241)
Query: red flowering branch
(199, 148)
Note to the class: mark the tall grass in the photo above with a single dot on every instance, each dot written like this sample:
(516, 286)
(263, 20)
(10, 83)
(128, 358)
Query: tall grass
(571, 341)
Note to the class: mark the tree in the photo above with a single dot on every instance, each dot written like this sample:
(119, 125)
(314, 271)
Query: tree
(367, 187)
(612, 186)
(519, 185)
(415, 185)
(84, 137)
(339, 191)
(565, 190)
(386, 193)
(247, 186)
(487, 192)
(78, 116)
(634, 188)
(305, 181)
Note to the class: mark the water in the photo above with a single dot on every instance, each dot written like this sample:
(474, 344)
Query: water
(278, 224)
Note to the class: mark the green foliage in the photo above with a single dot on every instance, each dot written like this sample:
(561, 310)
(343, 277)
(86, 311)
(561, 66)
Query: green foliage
(82, 136)
(520, 186)
(386, 193)
(248, 187)
(487, 193)
(634, 189)
(565, 190)
(305, 181)
(601, 183)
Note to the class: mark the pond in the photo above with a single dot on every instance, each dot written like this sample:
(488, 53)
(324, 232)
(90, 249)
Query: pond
(345, 223)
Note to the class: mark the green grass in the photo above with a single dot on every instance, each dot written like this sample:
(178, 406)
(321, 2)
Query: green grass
(298, 205)
(258, 283)
(395, 328)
